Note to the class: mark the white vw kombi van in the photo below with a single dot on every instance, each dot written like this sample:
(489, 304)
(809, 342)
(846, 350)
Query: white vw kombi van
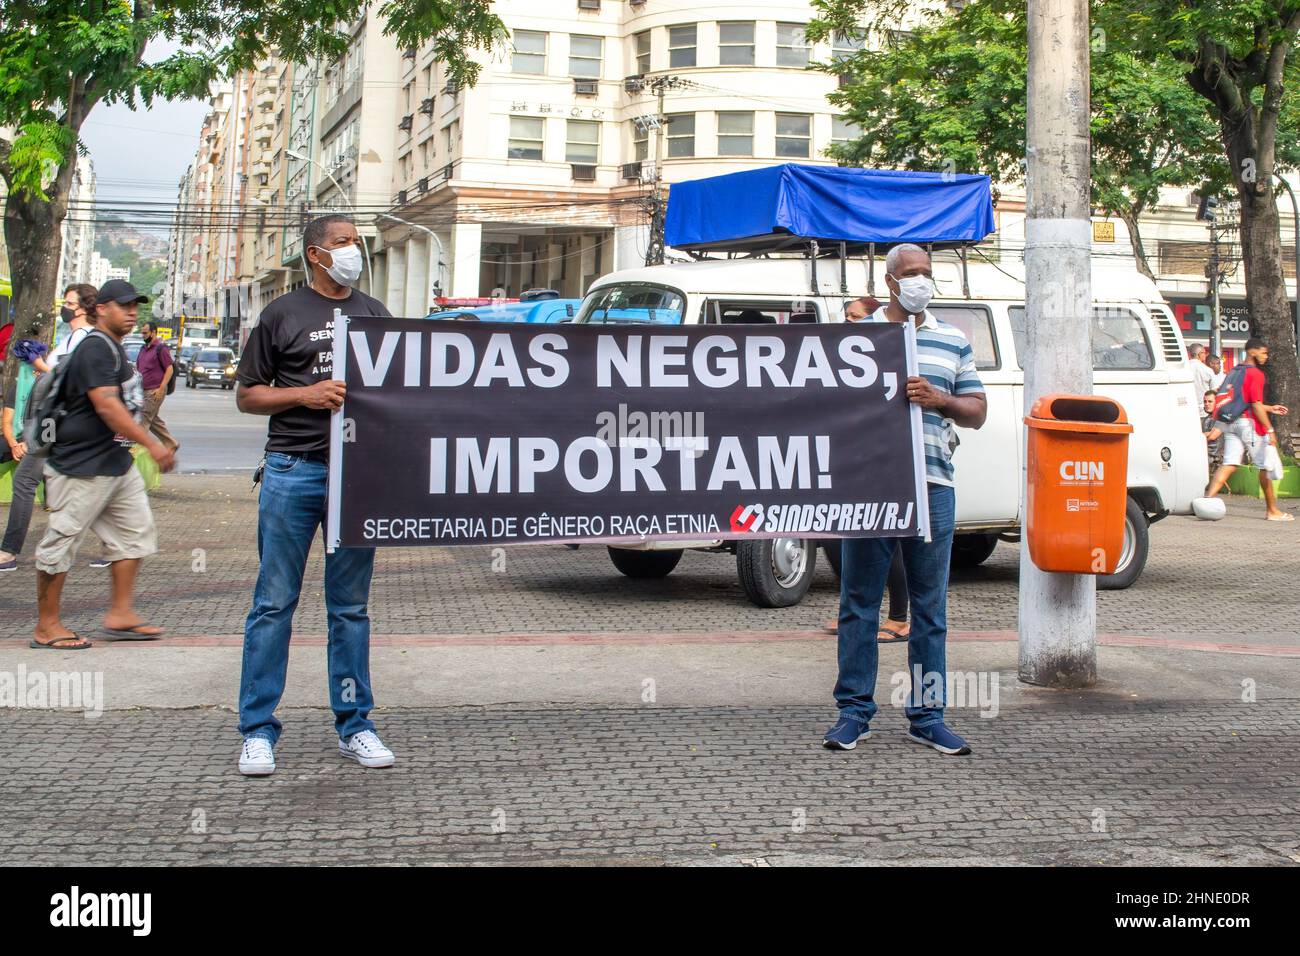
(1138, 360)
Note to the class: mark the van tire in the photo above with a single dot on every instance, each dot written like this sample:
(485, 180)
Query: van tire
(972, 550)
(1137, 540)
(757, 564)
(832, 548)
(645, 564)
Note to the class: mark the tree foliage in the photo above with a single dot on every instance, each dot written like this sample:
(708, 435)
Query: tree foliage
(950, 94)
(58, 59)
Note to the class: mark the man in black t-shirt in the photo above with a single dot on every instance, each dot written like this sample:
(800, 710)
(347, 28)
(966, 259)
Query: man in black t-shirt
(91, 482)
(286, 372)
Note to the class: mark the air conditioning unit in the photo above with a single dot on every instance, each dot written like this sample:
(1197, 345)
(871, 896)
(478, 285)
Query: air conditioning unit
(424, 184)
(407, 122)
(452, 88)
(633, 84)
(631, 171)
(583, 173)
(586, 87)
(446, 172)
(426, 106)
(588, 4)
(408, 53)
(400, 199)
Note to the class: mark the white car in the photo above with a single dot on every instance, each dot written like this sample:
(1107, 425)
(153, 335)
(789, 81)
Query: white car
(1138, 355)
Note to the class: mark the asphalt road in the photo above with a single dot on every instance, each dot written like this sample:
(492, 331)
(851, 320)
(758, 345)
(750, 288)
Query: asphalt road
(214, 435)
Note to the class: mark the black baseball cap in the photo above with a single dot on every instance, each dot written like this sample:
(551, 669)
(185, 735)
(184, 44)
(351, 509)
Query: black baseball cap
(119, 291)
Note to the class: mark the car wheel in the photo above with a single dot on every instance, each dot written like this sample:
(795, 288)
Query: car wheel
(645, 564)
(776, 572)
(1133, 556)
(832, 548)
(972, 550)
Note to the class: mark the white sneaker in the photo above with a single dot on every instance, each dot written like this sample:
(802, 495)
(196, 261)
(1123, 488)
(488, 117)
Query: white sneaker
(367, 749)
(257, 759)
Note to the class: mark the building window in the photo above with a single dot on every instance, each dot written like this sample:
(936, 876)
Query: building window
(643, 52)
(793, 134)
(582, 142)
(842, 130)
(584, 56)
(736, 44)
(530, 52)
(526, 135)
(735, 134)
(845, 46)
(681, 134)
(791, 45)
(640, 141)
(681, 45)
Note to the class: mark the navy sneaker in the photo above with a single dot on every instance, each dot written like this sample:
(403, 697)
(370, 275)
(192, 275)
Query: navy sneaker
(940, 738)
(10, 565)
(845, 734)
(100, 563)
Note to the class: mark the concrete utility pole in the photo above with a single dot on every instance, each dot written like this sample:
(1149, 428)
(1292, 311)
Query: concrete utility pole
(1058, 612)
(659, 202)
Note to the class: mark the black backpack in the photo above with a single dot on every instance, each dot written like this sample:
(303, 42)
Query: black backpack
(1229, 404)
(47, 406)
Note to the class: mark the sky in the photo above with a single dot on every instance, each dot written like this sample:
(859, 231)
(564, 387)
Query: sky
(142, 154)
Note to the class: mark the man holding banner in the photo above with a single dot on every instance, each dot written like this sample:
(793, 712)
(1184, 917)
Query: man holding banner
(949, 392)
(286, 372)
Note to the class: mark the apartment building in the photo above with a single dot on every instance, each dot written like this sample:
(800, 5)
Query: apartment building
(538, 175)
(78, 229)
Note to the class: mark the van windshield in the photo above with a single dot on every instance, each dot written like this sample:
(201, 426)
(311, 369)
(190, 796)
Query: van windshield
(633, 302)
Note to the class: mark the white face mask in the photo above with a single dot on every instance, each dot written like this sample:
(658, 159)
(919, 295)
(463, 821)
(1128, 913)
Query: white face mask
(915, 293)
(347, 261)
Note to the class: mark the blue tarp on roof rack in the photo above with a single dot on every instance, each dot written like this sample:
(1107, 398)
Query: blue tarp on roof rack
(762, 208)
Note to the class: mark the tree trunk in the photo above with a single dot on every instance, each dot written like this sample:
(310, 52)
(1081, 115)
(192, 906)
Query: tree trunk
(1130, 220)
(32, 232)
(1272, 317)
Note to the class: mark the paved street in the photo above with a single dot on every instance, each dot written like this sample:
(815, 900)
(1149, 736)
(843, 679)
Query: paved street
(556, 711)
(214, 436)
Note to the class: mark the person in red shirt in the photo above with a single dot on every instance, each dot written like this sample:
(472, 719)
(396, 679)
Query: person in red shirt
(1252, 432)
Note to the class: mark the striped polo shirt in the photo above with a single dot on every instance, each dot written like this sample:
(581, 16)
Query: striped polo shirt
(946, 361)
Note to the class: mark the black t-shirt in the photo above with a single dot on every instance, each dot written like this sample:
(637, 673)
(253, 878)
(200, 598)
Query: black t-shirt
(292, 346)
(84, 445)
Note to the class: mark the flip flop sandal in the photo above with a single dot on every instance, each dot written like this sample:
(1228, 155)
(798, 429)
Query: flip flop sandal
(894, 635)
(54, 644)
(1285, 516)
(132, 633)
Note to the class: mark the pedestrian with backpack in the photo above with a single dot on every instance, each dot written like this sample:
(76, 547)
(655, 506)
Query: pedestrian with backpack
(1247, 428)
(27, 474)
(91, 482)
(158, 376)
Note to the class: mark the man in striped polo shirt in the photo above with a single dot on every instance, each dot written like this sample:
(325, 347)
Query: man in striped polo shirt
(950, 393)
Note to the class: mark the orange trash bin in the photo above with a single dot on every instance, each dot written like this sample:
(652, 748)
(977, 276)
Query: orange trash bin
(1077, 491)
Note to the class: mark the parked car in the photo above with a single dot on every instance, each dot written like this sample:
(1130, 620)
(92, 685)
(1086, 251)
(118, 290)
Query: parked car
(132, 344)
(1138, 356)
(211, 367)
(543, 311)
(182, 358)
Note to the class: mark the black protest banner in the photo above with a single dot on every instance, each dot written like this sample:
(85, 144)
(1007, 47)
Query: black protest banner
(456, 433)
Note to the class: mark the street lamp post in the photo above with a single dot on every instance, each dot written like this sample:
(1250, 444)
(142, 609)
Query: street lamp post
(437, 286)
(294, 154)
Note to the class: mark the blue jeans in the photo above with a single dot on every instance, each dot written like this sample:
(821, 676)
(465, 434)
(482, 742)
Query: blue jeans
(864, 570)
(290, 510)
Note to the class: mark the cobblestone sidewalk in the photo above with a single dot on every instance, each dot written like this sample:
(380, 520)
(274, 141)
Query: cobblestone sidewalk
(1099, 782)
